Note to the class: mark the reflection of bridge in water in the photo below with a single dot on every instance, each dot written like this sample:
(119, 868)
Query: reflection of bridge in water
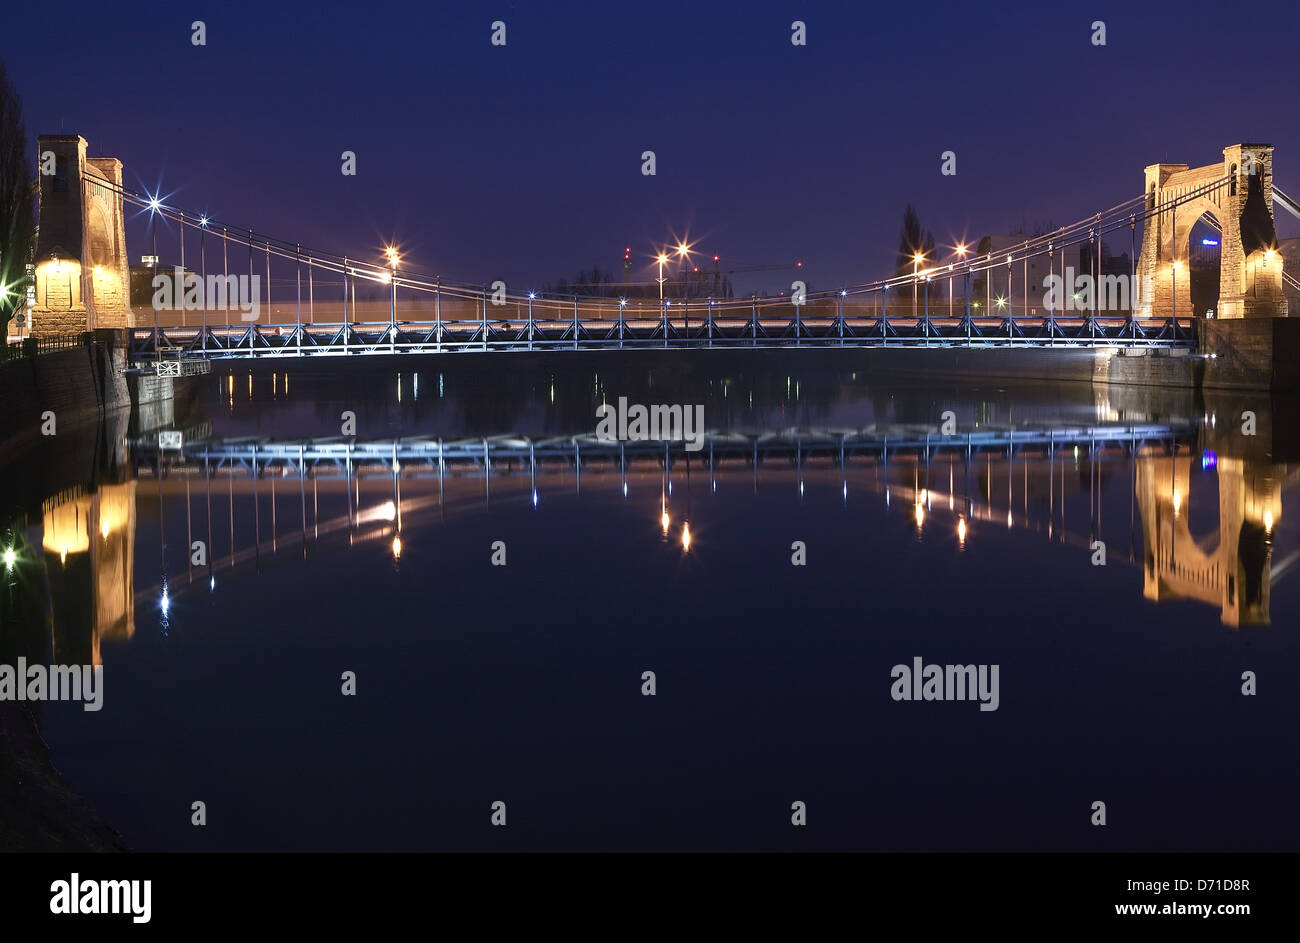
(1230, 568)
(300, 496)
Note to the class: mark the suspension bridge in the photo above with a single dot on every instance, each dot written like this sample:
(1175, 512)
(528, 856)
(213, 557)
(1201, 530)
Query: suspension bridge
(306, 302)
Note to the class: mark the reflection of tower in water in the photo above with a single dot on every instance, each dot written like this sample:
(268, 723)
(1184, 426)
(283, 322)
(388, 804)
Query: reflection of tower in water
(89, 544)
(1230, 569)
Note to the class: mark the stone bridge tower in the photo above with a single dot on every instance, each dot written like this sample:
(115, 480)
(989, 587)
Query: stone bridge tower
(1250, 282)
(82, 276)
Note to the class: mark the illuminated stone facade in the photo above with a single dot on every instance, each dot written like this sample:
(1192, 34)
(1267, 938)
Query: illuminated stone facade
(82, 280)
(1250, 283)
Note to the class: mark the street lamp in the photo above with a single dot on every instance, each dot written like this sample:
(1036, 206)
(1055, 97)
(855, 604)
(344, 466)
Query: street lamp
(663, 258)
(393, 259)
(916, 261)
(961, 253)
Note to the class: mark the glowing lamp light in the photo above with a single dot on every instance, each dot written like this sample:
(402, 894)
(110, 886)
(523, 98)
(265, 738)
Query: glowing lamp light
(532, 295)
(920, 515)
(961, 530)
(203, 221)
(397, 548)
(1268, 520)
(663, 522)
(1268, 255)
(10, 557)
(686, 537)
(1178, 502)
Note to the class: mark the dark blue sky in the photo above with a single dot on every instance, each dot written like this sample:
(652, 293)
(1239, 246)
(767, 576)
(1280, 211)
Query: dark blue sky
(523, 162)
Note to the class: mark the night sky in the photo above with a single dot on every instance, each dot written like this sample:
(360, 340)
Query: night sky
(523, 162)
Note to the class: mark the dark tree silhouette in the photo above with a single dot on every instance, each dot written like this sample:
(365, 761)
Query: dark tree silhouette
(16, 205)
(911, 240)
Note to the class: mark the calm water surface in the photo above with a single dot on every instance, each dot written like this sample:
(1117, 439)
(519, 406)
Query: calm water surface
(522, 683)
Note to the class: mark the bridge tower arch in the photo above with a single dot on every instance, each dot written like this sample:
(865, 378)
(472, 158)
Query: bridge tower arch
(1250, 266)
(82, 273)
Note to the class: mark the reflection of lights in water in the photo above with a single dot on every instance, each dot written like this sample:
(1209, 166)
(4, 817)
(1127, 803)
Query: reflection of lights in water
(397, 547)
(534, 497)
(387, 510)
(1010, 519)
(801, 489)
(715, 486)
(670, 487)
(212, 582)
(10, 557)
(625, 489)
(1268, 520)
(103, 528)
(886, 497)
(663, 521)
(845, 490)
(686, 537)
(1076, 453)
(63, 554)
(920, 515)
(166, 602)
(1178, 502)
(961, 531)
(950, 501)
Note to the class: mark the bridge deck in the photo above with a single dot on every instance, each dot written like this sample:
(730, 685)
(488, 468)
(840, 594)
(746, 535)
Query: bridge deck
(425, 337)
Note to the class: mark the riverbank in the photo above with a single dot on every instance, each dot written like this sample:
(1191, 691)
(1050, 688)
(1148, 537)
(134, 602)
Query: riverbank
(81, 382)
(38, 812)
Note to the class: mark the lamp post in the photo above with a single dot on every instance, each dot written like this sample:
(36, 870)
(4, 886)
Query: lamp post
(393, 259)
(961, 254)
(663, 258)
(916, 261)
